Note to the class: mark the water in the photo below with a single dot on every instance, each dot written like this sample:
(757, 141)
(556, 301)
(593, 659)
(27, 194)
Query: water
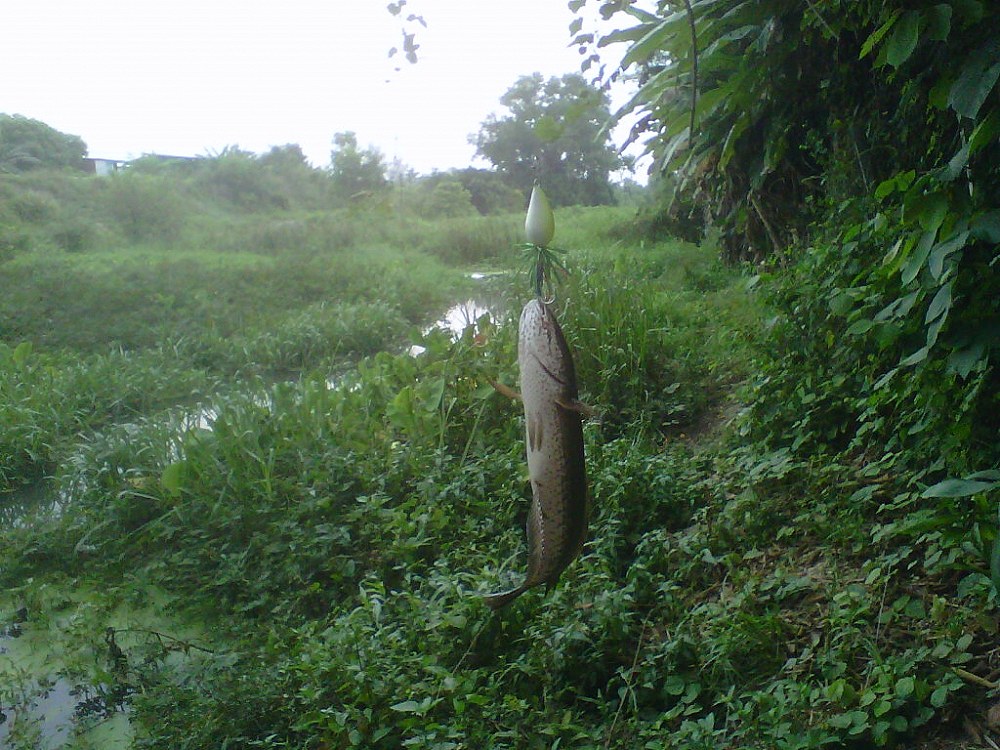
(50, 714)
(18, 508)
(41, 709)
(456, 319)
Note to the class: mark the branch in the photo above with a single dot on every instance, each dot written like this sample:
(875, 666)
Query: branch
(975, 679)
(184, 644)
(694, 68)
(772, 235)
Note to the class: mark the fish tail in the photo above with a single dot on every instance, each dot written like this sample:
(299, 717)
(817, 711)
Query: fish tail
(502, 599)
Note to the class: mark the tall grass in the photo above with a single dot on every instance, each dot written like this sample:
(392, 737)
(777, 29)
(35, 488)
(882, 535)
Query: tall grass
(662, 337)
(48, 401)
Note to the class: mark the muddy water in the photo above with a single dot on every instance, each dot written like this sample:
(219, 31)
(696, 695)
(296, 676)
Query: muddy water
(41, 707)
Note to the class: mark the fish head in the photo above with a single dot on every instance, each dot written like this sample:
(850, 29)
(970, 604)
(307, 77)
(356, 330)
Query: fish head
(541, 340)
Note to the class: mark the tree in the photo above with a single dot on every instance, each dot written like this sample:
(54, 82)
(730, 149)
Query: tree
(27, 144)
(356, 171)
(448, 198)
(486, 189)
(554, 132)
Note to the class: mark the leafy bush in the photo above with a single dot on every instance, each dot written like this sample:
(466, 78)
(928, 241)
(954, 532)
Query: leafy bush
(27, 144)
(147, 208)
(449, 198)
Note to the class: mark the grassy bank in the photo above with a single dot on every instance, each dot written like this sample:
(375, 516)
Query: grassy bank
(172, 291)
(333, 540)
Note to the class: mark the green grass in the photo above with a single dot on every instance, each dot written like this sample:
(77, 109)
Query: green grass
(141, 319)
(733, 592)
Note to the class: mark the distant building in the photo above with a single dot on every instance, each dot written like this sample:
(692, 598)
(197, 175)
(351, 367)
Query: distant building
(106, 167)
(103, 167)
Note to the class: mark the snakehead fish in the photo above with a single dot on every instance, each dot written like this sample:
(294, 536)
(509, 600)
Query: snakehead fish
(557, 519)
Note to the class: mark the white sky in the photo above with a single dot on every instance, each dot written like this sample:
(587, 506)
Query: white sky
(191, 77)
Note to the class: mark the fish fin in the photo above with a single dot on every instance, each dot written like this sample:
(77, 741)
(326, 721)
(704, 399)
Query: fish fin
(504, 390)
(503, 598)
(584, 410)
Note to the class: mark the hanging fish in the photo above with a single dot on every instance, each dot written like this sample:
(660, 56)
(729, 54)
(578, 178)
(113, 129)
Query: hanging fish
(557, 520)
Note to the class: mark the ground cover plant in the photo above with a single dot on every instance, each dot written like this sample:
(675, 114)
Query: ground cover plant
(784, 552)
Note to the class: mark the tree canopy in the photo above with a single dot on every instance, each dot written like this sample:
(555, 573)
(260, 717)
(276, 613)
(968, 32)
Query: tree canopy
(554, 131)
(855, 148)
(27, 144)
(356, 170)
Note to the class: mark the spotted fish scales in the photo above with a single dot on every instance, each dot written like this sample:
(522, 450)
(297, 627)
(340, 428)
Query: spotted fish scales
(557, 519)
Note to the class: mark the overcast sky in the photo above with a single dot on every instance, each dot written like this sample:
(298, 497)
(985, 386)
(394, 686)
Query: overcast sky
(190, 77)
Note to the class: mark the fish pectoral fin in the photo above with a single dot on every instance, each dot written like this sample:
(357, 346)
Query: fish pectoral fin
(578, 407)
(504, 390)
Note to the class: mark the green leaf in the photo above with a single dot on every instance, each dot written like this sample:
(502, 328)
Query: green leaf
(963, 361)
(903, 40)
(655, 39)
(170, 478)
(933, 330)
(995, 564)
(433, 395)
(904, 687)
(674, 685)
(940, 305)
(21, 353)
(406, 707)
(958, 488)
(938, 22)
(878, 34)
(985, 132)
(916, 261)
(729, 146)
(898, 308)
(978, 77)
(941, 252)
(955, 165)
(840, 721)
(548, 129)
(939, 697)
(928, 208)
(917, 357)
(905, 179)
(885, 188)
(893, 252)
